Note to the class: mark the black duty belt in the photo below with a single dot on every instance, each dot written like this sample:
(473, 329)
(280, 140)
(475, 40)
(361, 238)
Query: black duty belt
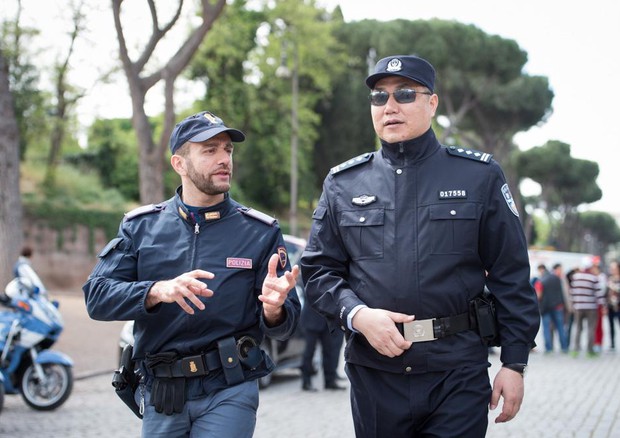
(190, 366)
(435, 328)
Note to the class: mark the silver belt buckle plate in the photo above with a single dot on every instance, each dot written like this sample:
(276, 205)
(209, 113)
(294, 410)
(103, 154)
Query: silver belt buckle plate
(419, 331)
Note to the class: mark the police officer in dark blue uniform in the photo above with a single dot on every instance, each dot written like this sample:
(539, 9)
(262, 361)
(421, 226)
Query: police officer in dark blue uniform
(403, 241)
(316, 329)
(205, 279)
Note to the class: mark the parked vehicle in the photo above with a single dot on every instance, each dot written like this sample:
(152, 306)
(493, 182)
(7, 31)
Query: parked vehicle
(285, 354)
(29, 325)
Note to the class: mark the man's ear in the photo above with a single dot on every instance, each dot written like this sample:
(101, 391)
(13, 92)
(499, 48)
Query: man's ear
(178, 164)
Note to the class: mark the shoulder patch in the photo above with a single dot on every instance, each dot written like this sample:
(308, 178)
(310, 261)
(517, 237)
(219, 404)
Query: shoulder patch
(360, 159)
(144, 209)
(457, 151)
(265, 218)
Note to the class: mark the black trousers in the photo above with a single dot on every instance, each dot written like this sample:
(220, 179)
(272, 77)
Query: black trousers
(440, 404)
(331, 344)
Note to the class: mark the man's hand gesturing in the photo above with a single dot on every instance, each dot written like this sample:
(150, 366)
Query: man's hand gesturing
(185, 287)
(276, 289)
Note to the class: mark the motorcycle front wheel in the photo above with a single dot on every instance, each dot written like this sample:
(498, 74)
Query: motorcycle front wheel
(51, 393)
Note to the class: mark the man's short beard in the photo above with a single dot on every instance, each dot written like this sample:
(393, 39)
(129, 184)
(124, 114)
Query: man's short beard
(205, 184)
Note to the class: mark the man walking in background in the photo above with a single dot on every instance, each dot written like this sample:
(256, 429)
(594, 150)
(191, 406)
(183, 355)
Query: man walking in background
(587, 295)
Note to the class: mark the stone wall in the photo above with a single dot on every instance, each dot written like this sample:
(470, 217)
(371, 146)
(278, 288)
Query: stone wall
(63, 258)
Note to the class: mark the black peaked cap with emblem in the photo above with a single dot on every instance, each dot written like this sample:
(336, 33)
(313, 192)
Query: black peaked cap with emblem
(408, 66)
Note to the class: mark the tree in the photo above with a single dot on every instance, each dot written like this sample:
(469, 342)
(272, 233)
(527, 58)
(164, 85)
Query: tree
(141, 80)
(602, 230)
(29, 101)
(66, 97)
(566, 183)
(243, 61)
(10, 199)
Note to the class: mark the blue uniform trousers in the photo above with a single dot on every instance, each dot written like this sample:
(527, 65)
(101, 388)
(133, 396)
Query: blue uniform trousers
(229, 412)
(450, 403)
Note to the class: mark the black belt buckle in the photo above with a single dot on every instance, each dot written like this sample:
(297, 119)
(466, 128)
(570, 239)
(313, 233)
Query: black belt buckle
(192, 366)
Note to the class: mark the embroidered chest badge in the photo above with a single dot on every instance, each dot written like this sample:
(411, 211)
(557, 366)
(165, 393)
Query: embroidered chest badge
(364, 200)
(510, 200)
(238, 263)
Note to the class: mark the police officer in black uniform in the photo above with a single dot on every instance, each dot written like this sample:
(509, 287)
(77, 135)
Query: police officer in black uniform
(205, 279)
(403, 241)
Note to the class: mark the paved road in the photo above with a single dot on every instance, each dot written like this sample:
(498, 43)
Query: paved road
(565, 396)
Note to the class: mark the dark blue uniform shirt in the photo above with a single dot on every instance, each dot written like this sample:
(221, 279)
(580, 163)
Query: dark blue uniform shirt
(163, 241)
(413, 228)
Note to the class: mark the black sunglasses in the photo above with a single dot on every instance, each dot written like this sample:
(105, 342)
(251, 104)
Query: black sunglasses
(403, 95)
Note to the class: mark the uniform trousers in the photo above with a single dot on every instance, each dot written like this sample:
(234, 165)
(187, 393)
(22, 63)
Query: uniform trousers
(228, 412)
(450, 403)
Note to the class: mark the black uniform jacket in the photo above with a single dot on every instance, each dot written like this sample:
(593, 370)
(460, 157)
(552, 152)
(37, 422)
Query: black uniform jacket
(413, 228)
(160, 242)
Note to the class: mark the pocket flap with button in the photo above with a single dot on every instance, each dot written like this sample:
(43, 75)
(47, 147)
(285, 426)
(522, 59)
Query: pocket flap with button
(362, 218)
(453, 211)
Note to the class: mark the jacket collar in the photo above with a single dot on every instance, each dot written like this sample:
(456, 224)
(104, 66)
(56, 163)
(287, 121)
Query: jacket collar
(410, 150)
(200, 215)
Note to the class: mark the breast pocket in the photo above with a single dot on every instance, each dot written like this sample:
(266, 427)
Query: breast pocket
(454, 228)
(363, 232)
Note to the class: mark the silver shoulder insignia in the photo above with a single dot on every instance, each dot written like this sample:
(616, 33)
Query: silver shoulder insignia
(144, 209)
(265, 218)
(364, 200)
(351, 163)
(472, 154)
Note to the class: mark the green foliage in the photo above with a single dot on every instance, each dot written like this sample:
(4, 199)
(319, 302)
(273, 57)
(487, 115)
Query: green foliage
(77, 198)
(241, 61)
(602, 225)
(565, 181)
(31, 104)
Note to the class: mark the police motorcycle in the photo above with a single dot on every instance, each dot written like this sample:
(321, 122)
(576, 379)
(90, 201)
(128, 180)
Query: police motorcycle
(29, 325)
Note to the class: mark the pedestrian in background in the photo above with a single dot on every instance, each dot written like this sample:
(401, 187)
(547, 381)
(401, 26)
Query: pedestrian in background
(612, 296)
(316, 330)
(23, 269)
(205, 279)
(552, 307)
(587, 296)
(601, 311)
(396, 257)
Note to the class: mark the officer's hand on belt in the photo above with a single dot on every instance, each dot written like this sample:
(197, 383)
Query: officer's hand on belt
(179, 290)
(275, 290)
(379, 328)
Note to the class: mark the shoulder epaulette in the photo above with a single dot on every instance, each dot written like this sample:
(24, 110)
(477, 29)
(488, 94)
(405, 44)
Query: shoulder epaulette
(265, 218)
(144, 209)
(360, 159)
(457, 151)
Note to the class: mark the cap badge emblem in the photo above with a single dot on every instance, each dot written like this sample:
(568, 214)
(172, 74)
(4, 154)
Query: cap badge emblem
(210, 118)
(394, 65)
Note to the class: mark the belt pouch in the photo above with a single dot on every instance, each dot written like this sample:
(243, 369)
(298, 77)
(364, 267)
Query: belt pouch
(227, 349)
(168, 395)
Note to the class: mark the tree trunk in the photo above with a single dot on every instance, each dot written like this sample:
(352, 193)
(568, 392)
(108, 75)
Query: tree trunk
(10, 200)
(152, 154)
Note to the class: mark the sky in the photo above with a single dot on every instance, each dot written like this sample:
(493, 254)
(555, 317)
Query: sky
(576, 45)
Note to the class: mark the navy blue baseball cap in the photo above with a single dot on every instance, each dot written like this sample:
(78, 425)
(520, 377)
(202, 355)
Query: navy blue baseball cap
(201, 127)
(408, 66)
